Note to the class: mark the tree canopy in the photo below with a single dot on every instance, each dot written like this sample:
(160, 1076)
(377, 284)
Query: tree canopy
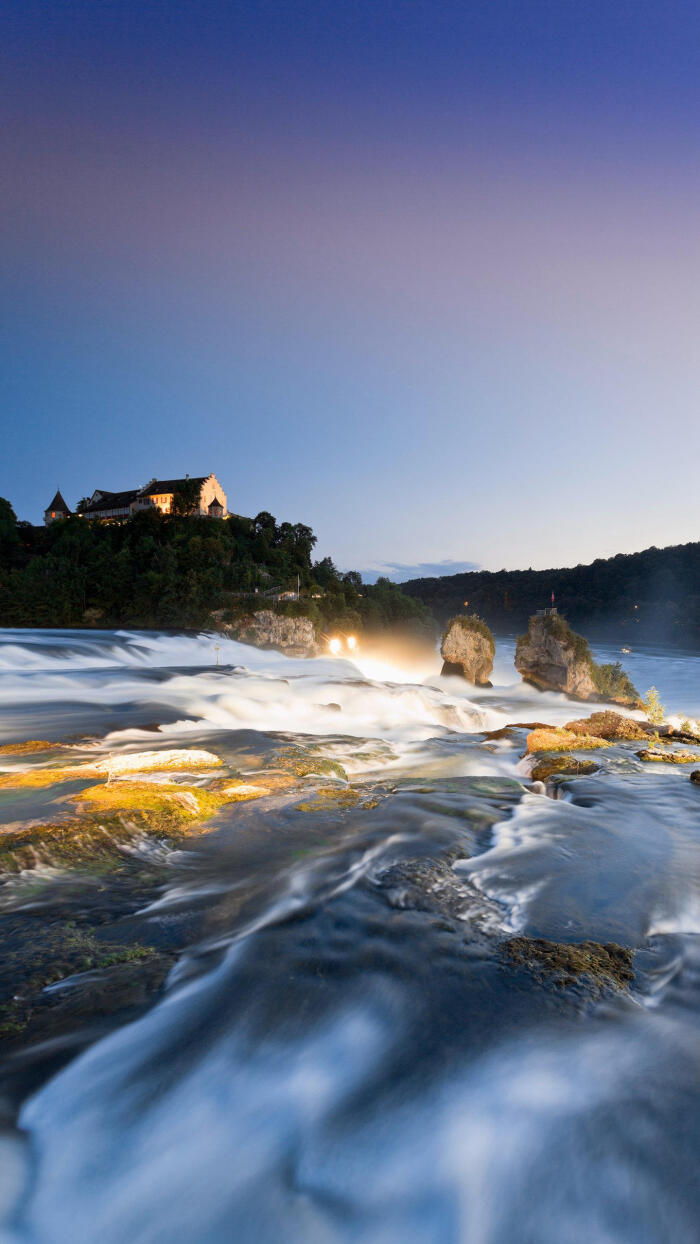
(173, 571)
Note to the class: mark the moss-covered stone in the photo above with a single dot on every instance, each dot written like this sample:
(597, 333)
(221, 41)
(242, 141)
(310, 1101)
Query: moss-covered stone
(332, 798)
(668, 757)
(562, 766)
(597, 965)
(108, 815)
(172, 760)
(557, 739)
(115, 975)
(608, 725)
(30, 779)
(28, 748)
(303, 763)
(238, 792)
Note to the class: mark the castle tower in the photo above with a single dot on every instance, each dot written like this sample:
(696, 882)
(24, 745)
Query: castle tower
(57, 509)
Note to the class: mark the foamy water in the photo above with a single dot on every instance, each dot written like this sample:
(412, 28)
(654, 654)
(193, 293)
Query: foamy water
(341, 1052)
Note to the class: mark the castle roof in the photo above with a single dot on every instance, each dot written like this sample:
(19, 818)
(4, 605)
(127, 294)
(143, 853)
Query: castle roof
(58, 504)
(171, 485)
(112, 501)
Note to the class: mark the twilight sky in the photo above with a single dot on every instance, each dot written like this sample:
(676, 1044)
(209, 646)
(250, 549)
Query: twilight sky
(423, 275)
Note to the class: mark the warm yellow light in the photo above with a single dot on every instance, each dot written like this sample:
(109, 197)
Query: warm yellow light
(352, 643)
(334, 645)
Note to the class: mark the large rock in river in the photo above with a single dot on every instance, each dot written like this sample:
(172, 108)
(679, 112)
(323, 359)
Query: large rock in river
(468, 649)
(295, 637)
(555, 658)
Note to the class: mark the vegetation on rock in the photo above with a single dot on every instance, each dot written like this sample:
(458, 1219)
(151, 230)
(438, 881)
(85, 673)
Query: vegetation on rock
(567, 664)
(653, 707)
(472, 623)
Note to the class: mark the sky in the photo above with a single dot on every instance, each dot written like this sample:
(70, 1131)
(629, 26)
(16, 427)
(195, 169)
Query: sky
(425, 276)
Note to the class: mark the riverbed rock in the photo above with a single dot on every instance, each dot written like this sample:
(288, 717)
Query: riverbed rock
(695, 777)
(181, 759)
(554, 658)
(295, 637)
(562, 766)
(669, 757)
(597, 965)
(609, 725)
(468, 649)
(558, 739)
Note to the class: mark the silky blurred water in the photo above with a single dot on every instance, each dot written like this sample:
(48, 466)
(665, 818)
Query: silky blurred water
(341, 1052)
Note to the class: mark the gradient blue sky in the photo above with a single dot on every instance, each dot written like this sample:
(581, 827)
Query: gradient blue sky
(423, 275)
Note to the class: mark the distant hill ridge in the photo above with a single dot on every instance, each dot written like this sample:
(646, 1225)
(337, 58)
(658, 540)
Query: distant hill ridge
(651, 597)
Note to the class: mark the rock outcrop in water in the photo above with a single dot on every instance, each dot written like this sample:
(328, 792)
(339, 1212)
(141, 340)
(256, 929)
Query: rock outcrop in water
(468, 649)
(295, 637)
(554, 658)
(591, 963)
(610, 726)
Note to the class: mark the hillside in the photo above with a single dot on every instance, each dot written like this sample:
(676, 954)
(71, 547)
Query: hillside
(653, 596)
(175, 571)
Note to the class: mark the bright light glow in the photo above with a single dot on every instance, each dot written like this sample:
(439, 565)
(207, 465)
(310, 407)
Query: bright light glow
(334, 645)
(352, 643)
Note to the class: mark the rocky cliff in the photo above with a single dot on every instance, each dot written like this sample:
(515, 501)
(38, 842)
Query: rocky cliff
(555, 658)
(295, 637)
(468, 649)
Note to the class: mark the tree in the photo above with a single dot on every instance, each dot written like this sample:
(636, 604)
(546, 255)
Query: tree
(325, 572)
(265, 523)
(353, 577)
(9, 536)
(186, 499)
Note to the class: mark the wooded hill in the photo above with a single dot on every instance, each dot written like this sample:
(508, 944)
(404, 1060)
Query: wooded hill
(174, 571)
(650, 597)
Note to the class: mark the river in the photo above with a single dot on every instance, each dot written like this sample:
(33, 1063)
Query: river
(339, 1052)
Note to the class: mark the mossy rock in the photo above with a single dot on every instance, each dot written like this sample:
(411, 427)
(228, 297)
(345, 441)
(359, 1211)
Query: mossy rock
(105, 977)
(303, 763)
(669, 758)
(608, 725)
(108, 815)
(558, 739)
(562, 766)
(695, 777)
(595, 964)
(28, 748)
(333, 799)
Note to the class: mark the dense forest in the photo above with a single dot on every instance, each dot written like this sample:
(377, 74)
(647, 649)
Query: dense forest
(175, 571)
(649, 597)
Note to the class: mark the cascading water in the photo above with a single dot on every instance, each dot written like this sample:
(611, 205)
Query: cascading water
(339, 1049)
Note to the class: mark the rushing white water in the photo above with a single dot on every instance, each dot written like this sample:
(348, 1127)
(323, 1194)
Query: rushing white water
(341, 1053)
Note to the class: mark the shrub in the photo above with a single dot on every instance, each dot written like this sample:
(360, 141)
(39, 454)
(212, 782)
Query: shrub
(653, 707)
(612, 682)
